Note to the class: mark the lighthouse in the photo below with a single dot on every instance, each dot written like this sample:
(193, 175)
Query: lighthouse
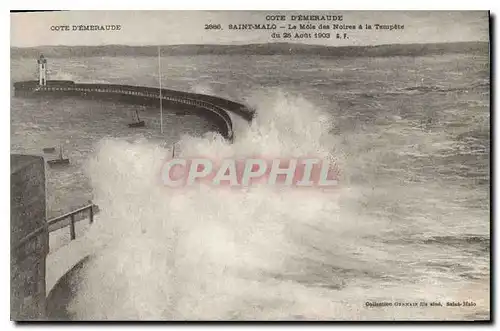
(42, 70)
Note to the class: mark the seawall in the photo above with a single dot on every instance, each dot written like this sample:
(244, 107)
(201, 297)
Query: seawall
(214, 109)
(28, 247)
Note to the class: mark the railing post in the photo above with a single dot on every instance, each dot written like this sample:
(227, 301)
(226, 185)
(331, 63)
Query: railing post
(91, 214)
(72, 227)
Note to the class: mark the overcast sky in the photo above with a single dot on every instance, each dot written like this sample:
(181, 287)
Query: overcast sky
(187, 27)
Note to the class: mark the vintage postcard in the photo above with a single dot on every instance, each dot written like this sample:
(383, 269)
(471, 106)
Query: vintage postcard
(250, 166)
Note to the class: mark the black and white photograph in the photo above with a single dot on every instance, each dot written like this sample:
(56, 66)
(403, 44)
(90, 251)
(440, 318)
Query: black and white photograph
(257, 165)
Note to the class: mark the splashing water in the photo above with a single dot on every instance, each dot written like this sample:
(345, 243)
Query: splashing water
(262, 253)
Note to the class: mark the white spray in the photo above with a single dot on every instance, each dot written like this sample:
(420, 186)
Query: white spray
(215, 254)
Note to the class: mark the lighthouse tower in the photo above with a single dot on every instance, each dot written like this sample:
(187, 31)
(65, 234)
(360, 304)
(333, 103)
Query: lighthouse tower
(42, 70)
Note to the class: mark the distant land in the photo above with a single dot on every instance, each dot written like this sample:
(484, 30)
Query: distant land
(255, 49)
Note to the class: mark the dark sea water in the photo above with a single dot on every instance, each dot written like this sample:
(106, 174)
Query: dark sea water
(410, 221)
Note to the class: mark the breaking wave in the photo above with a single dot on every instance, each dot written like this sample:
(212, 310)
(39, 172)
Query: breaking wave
(264, 253)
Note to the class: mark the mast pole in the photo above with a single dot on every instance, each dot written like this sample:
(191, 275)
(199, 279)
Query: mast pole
(161, 98)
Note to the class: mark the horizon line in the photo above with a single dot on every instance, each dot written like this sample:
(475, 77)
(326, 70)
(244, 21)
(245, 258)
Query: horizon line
(250, 44)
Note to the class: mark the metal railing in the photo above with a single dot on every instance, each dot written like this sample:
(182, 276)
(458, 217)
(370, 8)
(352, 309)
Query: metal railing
(182, 99)
(59, 222)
